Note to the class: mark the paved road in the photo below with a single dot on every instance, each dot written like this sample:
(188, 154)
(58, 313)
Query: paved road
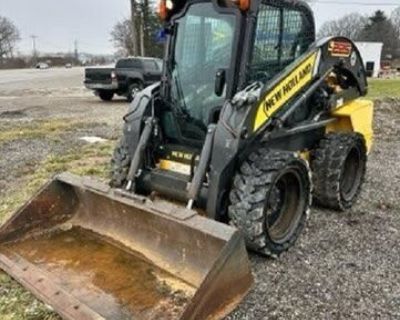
(33, 78)
(53, 93)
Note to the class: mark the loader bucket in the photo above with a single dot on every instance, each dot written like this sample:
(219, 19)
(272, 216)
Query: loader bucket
(92, 252)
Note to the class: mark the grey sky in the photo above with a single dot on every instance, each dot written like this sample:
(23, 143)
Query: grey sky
(57, 23)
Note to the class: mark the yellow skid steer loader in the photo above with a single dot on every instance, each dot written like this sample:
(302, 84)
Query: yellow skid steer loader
(252, 120)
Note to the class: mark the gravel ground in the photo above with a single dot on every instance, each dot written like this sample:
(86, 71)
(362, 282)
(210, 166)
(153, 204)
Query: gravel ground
(53, 96)
(345, 266)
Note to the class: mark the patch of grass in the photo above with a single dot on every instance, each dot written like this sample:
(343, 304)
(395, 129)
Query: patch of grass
(40, 129)
(18, 304)
(384, 88)
(15, 302)
(92, 160)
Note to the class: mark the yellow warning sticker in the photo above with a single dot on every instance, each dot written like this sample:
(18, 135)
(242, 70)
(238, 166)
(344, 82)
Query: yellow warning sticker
(175, 167)
(285, 90)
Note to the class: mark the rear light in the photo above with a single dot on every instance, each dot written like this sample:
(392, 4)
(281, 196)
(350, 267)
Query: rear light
(163, 10)
(244, 5)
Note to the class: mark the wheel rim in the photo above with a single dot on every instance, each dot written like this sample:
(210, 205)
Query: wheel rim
(285, 206)
(352, 173)
(134, 90)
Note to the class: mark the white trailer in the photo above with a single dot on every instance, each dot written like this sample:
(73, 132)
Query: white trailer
(371, 52)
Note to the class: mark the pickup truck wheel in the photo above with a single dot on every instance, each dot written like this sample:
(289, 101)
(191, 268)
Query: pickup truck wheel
(134, 88)
(106, 95)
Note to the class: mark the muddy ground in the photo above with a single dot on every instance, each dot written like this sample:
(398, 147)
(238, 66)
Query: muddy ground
(345, 266)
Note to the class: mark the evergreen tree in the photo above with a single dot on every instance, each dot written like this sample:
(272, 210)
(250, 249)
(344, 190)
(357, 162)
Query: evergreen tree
(381, 29)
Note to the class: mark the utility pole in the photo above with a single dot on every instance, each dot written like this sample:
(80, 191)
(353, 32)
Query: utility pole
(34, 52)
(144, 28)
(142, 49)
(134, 16)
(76, 51)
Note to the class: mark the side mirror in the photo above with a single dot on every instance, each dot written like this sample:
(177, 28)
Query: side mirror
(220, 80)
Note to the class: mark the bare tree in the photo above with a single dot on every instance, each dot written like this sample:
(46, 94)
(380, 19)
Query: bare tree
(123, 38)
(350, 26)
(130, 36)
(395, 17)
(136, 36)
(9, 36)
(121, 35)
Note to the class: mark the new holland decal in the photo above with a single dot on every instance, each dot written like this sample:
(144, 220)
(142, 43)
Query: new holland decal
(285, 90)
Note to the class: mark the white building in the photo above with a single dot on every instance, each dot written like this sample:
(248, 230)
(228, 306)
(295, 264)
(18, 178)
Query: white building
(371, 52)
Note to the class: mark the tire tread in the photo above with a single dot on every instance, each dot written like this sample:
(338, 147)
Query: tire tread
(249, 194)
(327, 165)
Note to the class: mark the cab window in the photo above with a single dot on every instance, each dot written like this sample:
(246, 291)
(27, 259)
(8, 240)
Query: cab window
(281, 36)
(297, 36)
(266, 45)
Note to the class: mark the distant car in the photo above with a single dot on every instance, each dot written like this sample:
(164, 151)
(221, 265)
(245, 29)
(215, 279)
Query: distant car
(42, 65)
(129, 76)
(68, 66)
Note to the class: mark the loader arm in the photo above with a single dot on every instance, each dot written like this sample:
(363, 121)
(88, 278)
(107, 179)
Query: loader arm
(301, 83)
(330, 57)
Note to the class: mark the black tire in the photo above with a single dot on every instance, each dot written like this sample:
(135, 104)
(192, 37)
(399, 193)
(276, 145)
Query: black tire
(339, 167)
(106, 95)
(120, 164)
(133, 89)
(270, 200)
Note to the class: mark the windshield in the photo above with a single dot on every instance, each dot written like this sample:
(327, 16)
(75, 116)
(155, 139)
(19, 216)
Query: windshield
(203, 45)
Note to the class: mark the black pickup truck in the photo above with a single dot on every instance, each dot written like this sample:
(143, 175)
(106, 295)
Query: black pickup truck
(129, 76)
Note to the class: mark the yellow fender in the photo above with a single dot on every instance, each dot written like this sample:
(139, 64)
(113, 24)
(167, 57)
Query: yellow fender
(355, 116)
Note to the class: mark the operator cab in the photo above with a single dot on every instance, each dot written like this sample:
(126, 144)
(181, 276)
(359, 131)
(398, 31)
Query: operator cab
(211, 56)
